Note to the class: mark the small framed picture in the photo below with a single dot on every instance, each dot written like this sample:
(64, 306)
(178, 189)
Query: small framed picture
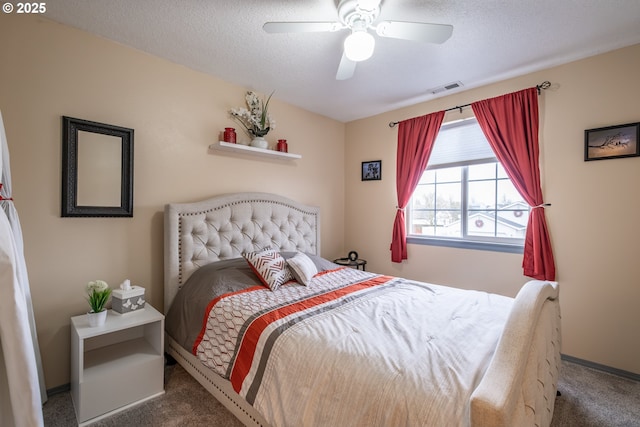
(612, 142)
(372, 171)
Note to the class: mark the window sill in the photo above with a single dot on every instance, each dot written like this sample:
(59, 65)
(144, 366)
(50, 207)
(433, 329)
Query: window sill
(467, 244)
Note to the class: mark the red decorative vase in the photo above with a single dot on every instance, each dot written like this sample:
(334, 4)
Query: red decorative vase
(229, 135)
(282, 145)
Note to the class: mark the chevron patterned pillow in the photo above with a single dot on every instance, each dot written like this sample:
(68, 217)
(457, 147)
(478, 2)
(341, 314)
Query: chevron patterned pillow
(269, 266)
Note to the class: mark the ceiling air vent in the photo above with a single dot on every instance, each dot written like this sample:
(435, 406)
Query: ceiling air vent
(448, 86)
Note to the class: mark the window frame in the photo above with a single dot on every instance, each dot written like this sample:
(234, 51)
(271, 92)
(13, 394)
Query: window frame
(496, 244)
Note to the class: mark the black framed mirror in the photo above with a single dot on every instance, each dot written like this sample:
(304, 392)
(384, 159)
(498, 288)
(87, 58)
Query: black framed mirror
(97, 169)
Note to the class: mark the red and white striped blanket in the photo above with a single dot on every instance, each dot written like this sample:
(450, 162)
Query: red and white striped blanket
(354, 347)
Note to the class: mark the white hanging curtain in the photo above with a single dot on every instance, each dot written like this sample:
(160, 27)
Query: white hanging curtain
(22, 387)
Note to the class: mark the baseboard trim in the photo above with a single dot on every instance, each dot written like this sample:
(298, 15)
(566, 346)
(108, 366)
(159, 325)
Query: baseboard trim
(60, 389)
(600, 367)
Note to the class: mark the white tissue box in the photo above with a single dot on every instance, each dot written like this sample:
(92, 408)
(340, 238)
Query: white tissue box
(127, 301)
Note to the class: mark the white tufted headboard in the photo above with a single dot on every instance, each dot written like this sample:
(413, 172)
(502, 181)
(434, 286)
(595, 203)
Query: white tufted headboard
(226, 226)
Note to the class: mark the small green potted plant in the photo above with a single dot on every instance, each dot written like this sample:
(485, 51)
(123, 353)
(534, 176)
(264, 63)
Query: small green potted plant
(99, 293)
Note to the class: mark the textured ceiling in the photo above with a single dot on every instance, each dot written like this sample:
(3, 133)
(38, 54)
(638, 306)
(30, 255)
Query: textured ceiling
(492, 40)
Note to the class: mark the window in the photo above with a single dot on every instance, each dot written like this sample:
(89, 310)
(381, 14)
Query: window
(465, 198)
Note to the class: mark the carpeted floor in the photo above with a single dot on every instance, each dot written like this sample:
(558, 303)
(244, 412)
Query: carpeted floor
(590, 398)
(185, 403)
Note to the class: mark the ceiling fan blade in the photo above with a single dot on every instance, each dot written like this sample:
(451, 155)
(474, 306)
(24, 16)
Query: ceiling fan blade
(346, 68)
(418, 31)
(301, 27)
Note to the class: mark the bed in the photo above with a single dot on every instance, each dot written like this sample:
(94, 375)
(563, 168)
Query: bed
(468, 358)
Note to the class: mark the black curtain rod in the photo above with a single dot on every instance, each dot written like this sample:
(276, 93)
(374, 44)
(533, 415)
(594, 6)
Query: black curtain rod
(540, 87)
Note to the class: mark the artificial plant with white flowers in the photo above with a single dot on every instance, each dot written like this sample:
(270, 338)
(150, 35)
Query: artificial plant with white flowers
(99, 293)
(255, 119)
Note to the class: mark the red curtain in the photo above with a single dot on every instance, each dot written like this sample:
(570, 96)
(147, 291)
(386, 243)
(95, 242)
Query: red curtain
(415, 142)
(510, 123)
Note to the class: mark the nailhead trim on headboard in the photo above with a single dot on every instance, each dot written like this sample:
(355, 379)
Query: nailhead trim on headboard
(228, 226)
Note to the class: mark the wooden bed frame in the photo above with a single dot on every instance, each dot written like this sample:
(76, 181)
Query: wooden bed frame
(520, 385)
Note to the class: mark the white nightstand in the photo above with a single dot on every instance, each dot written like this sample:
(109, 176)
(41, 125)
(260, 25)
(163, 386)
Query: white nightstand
(117, 365)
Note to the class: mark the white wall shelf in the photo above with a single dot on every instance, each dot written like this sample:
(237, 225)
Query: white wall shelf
(252, 151)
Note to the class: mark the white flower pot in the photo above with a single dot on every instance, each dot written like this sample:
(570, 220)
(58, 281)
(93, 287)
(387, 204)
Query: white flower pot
(259, 142)
(97, 319)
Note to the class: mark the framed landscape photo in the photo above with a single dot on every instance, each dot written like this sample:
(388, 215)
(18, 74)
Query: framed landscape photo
(372, 170)
(612, 142)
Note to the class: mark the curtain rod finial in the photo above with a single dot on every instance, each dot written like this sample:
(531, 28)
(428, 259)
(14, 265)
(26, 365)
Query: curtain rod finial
(544, 85)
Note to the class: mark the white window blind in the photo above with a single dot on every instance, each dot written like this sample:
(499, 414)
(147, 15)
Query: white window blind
(462, 143)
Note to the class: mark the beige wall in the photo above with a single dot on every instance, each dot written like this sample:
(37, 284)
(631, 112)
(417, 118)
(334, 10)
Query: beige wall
(49, 70)
(593, 220)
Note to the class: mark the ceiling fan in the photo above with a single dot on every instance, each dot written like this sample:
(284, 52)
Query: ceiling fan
(359, 16)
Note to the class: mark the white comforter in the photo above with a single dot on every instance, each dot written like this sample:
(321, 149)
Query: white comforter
(400, 353)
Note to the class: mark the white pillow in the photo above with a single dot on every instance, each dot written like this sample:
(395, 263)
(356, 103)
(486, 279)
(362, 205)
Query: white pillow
(302, 268)
(270, 267)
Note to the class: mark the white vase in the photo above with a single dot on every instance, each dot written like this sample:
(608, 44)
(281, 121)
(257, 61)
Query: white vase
(259, 142)
(97, 319)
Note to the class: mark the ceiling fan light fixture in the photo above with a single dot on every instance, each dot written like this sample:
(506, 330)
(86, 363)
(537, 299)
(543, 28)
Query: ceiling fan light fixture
(368, 5)
(358, 46)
